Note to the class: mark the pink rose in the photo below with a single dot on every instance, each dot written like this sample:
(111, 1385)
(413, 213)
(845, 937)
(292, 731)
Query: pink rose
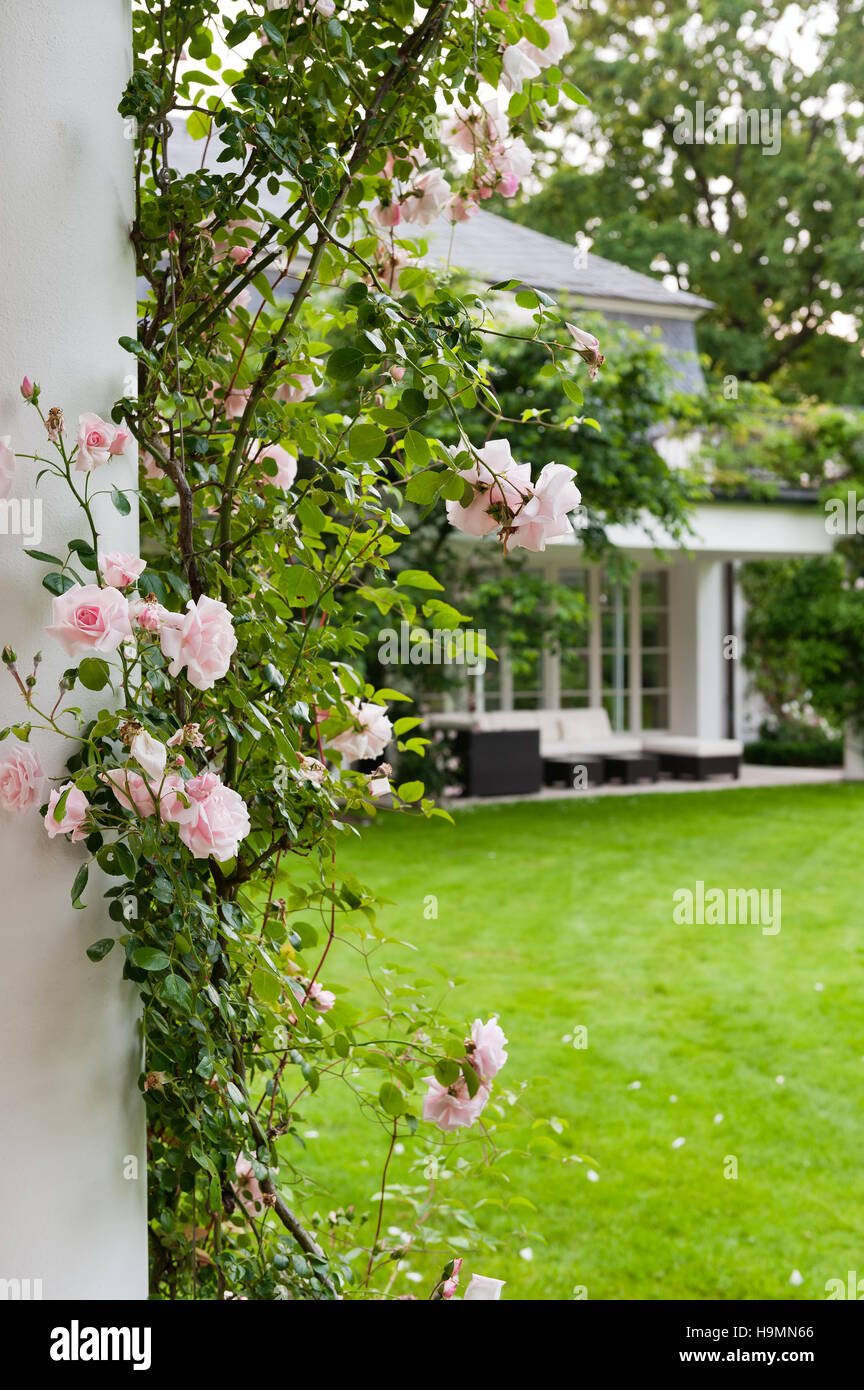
(7, 465)
(544, 515)
(150, 466)
(140, 794)
(298, 386)
(449, 1287)
(517, 67)
(90, 619)
(286, 466)
(235, 402)
(326, 8)
(387, 214)
(451, 1107)
(501, 486)
(119, 569)
(203, 642)
(483, 1289)
(461, 209)
(150, 755)
(310, 770)
(488, 1045)
(370, 740)
(248, 1189)
(97, 441)
(220, 823)
(426, 200)
(322, 999)
(588, 348)
(27, 388)
(240, 254)
(74, 813)
(558, 45)
(508, 184)
(481, 126)
(397, 373)
(22, 778)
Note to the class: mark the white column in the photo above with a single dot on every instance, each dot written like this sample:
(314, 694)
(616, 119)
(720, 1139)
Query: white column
(697, 695)
(69, 1040)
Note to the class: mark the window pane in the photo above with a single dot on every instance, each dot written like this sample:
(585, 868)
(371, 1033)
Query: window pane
(526, 699)
(655, 711)
(574, 670)
(617, 706)
(654, 589)
(616, 670)
(655, 671)
(575, 699)
(655, 629)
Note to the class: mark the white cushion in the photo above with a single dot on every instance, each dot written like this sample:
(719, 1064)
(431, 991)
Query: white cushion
(584, 726)
(604, 747)
(688, 745)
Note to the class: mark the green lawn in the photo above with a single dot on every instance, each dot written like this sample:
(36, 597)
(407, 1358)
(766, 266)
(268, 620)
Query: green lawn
(560, 914)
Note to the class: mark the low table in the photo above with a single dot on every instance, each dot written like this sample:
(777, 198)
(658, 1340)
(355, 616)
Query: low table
(632, 767)
(580, 770)
(701, 766)
(503, 763)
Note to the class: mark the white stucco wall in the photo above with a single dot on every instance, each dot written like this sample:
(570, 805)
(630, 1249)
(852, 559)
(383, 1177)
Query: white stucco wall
(72, 1114)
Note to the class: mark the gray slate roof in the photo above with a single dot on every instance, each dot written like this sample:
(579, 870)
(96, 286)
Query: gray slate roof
(494, 248)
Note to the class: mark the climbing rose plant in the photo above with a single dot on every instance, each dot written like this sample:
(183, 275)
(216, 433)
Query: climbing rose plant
(215, 785)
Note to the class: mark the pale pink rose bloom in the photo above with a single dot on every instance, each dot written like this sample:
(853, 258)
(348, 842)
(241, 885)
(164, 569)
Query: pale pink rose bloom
(235, 402)
(588, 348)
(326, 8)
(397, 373)
(451, 1107)
(298, 386)
(74, 813)
(119, 569)
(483, 1289)
(477, 127)
(449, 1287)
(152, 616)
(425, 201)
(90, 619)
(310, 770)
(150, 466)
(370, 740)
(489, 1051)
(222, 821)
(387, 214)
(321, 999)
(508, 185)
(461, 209)
(249, 1189)
(27, 388)
(22, 778)
(500, 486)
(286, 464)
(150, 755)
(7, 465)
(545, 515)
(240, 254)
(517, 68)
(204, 643)
(134, 794)
(97, 441)
(558, 45)
(514, 158)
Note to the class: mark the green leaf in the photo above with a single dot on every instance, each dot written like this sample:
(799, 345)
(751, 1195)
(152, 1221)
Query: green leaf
(57, 583)
(44, 557)
(266, 985)
(447, 1071)
(148, 958)
(417, 448)
(417, 579)
(299, 586)
(80, 884)
(344, 364)
(99, 949)
(198, 125)
(121, 501)
(391, 1099)
(410, 791)
(423, 488)
(94, 673)
(366, 441)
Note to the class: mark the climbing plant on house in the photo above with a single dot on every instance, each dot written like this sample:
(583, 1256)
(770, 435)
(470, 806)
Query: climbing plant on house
(215, 785)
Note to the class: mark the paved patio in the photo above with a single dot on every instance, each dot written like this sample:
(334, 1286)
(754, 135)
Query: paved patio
(752, 775)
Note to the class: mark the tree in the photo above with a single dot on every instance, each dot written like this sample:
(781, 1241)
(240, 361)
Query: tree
(769, 230)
